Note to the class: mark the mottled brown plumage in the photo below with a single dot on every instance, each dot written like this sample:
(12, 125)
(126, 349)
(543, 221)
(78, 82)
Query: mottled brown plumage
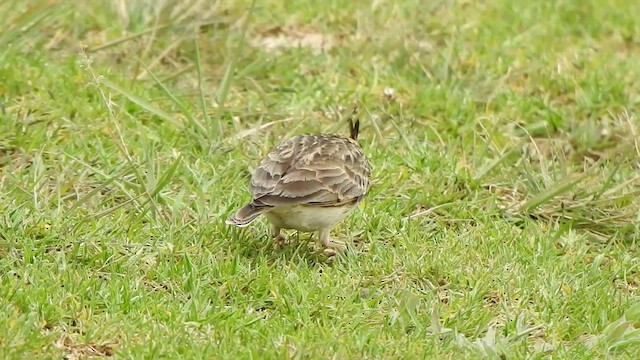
(308, 183)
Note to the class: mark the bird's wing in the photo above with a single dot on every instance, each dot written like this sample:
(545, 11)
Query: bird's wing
(322, 170)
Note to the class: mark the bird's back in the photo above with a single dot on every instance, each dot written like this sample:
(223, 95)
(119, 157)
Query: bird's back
(320, 169)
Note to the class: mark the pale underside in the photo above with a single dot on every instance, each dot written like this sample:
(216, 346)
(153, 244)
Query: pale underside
(307, 218)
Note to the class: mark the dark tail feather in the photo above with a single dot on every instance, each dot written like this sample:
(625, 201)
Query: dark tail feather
(246, 215)
(355, 128)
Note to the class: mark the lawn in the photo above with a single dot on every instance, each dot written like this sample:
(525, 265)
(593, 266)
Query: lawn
(503, 219)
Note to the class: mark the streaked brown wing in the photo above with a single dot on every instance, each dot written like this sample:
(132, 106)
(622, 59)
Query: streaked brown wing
(323, 170)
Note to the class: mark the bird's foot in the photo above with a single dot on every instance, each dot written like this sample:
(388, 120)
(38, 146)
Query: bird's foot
(280, 239)
(278, 236)
(333, 248)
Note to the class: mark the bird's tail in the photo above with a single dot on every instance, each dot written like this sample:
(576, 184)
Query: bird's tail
(246, 214)
(354, 126)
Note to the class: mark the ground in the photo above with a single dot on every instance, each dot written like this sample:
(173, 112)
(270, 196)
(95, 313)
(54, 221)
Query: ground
(502, 222)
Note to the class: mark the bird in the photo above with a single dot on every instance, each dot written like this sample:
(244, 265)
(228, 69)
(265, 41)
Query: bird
(308, 183)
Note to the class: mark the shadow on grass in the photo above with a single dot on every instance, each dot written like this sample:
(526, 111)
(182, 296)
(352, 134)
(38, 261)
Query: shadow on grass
(250, 244)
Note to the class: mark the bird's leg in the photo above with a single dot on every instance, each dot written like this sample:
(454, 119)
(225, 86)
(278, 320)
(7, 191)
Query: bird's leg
(276, 234)
(331, 246)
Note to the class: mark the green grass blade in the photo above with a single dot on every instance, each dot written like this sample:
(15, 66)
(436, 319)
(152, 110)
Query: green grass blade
(142, 103)
(25, 22)
(166, 177)
(493, 164)
(225, 83)
(194, 122)
(551, 192)
(215, 132)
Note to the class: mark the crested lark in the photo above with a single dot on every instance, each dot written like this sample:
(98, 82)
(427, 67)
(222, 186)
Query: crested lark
(308, 183)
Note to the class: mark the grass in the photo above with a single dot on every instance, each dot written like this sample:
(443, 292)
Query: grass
(502, 221)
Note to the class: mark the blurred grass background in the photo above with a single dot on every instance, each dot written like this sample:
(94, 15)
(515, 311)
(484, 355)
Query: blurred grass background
(502, 222)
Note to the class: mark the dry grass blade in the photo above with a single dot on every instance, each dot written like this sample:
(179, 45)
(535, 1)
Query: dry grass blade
(158, 59)
(427, 211)
(124, 39)
(177, 73)
(249, 132)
